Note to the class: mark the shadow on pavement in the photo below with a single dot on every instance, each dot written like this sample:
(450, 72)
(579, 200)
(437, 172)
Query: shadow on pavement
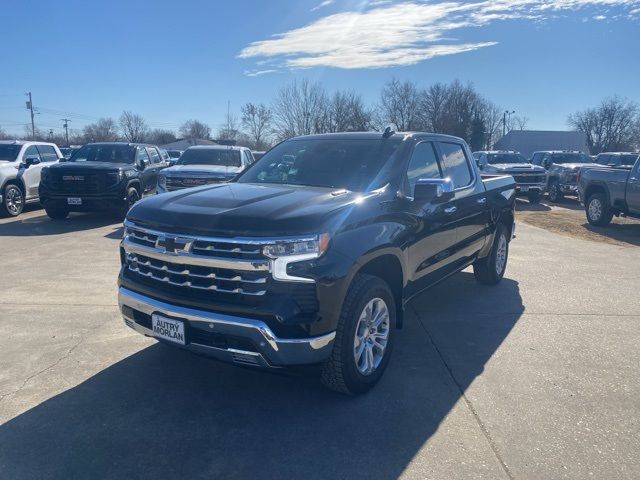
(42, 225)
(163, 413)
(526, 206)
(622, 232)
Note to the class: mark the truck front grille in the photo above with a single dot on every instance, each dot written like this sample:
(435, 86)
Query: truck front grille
(529, 178)
(177, 183)
(81, 182)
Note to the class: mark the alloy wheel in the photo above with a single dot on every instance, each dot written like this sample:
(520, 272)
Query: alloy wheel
(14, 201)
(372, 336)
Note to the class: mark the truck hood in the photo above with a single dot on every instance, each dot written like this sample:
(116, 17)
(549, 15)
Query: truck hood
(517, 167)
(245, 209)
(575, 166)
(202, 170)
(91, 166)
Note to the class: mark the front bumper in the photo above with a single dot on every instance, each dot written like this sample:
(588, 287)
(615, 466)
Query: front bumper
(90, 203)
(228, 338)
(528, 187)
(569, 188)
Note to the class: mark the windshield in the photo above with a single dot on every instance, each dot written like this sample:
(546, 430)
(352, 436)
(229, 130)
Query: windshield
(570, 158)
(495, 158)
(351, 164)
(8, 153)
(104, 153)
(210, 156)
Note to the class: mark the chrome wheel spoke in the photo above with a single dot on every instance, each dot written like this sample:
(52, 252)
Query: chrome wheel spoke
(371, 336)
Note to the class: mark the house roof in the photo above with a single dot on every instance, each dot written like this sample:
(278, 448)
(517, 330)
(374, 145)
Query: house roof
(528, 141)
(184, 143)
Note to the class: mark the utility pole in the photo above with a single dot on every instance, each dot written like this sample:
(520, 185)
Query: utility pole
(66, 129)
(33, 124)
(504, 120)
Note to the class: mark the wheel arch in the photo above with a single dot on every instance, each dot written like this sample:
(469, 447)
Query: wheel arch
(594, 188)
(388, 268)
(15, 181)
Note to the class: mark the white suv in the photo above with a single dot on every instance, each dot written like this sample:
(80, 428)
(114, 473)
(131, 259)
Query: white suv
(20, 167)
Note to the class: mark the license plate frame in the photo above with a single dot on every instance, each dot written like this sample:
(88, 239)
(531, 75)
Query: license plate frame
(74, 201)
(169, 329)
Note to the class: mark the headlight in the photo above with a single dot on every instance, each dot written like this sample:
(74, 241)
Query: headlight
(162, 180)
(285, 252)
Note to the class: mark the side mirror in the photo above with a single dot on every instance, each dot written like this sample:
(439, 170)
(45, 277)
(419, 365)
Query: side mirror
(31, 161)
(436, 190)
(141, 164)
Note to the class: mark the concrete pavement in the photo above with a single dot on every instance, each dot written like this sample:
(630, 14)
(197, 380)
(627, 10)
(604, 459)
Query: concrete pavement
(535, 378)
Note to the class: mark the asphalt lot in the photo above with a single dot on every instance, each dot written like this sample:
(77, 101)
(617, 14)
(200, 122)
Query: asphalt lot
(537, 378)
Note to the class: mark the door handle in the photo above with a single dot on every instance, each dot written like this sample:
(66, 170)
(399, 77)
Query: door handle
(481, 201)
(451, 210)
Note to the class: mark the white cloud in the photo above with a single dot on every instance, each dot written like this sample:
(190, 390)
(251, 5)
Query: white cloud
(257, 73)
(324, 3)
(403, 33)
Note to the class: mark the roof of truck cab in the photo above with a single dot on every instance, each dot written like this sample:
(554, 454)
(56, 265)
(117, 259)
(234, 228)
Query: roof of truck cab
(372, 135)
(216, 147)
(24, 142)
(130, 144)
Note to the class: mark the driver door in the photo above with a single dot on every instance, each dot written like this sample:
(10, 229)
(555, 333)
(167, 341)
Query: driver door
(31, 176)
(143, 164)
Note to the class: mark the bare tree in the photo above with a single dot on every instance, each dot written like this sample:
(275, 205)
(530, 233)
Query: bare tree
(3, 135)
(609, 126)
(104, 130)
(491, 116)
(133, 126)
(194, 129)
(256, 119)
(433, 108)
(516, 122)
(348, 113)
(399, 104)
(160, 136)
(229, 129)
(300, 108)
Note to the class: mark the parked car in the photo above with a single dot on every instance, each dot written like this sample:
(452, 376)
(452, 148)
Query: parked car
(614, 159)
(20, 166)
(530, 179)
(68, 151)
(310, 255)
(562, 171)
(174, 156)
(609, 191)
(107, 177)
(204, 164)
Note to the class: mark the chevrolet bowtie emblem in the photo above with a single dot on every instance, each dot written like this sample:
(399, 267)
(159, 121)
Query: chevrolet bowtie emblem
(173, 244)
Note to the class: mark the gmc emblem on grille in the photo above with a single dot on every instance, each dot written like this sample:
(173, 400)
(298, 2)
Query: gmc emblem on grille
(173, 244)
(78, 178)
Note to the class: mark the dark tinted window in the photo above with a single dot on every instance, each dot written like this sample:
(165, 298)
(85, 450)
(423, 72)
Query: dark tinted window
(353, 164)
(47, 153)
(210, 156)
(560, 158)
(495, 158)
(31, 151)
(8, 153)
(423, 164)
(456, 165)
(537, 158)
(627, 159)
(174, 153)
(104, 153)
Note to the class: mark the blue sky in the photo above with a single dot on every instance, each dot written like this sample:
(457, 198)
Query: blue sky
(172, 61)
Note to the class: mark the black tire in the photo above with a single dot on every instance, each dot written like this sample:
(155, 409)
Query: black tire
(555, 194)
(486, 269)
(56, 213)
(341, 372)
(597, 210)
(132, 197)
(12, 201)
(534, 196)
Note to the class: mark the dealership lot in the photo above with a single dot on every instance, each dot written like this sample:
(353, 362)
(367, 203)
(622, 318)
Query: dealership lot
(535, 378)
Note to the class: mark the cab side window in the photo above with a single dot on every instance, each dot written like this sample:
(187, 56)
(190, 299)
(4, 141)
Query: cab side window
(31, 152)
(47, 153)
(142, 155)
(423, 164)
(456, 165)
(155, 156)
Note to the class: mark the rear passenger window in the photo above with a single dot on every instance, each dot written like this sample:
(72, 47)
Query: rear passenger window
(423, 164)
(155, 156)
(456, 165)
(47, 153)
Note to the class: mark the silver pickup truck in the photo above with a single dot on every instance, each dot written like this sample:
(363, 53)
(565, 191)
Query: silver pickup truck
(610, 191)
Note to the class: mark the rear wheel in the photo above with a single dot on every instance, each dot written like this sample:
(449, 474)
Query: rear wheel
(490, 269)
(132, 197)
(364, 337)
(555, 194)
(534, 196)
(598, 211)
(12, 200)
(56, 213)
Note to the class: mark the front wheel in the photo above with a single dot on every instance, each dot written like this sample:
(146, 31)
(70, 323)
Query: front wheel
(132, 197)
(598, 211)
(490, 269)
(364, 337)
(555, 194)
(12, 201)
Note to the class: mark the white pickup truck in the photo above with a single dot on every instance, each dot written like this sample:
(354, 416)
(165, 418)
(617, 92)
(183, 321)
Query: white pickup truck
(20, 165)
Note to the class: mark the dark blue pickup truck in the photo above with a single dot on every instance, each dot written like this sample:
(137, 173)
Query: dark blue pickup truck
(311, 254)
